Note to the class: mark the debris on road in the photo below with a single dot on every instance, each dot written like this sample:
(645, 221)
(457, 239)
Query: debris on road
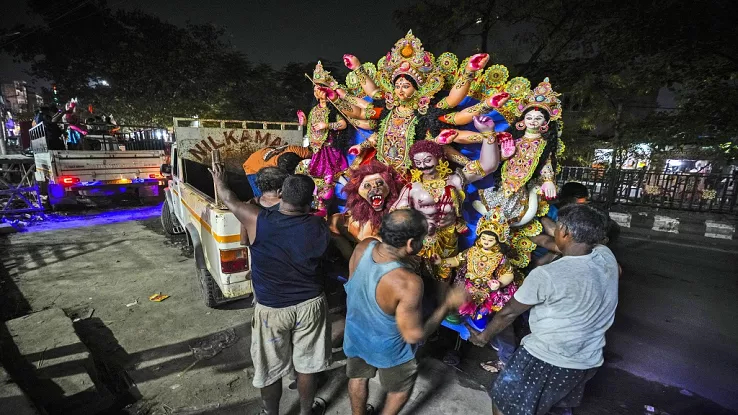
(212, 345)
(158, 297)
(132, 304)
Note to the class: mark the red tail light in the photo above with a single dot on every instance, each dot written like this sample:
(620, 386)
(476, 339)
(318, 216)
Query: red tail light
(153, 176)
(234, 260)
(68, 180)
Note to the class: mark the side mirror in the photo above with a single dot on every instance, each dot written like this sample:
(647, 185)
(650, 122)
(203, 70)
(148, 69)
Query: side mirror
(166, 170)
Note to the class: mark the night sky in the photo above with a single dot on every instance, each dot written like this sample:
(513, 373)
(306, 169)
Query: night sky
(273, 32)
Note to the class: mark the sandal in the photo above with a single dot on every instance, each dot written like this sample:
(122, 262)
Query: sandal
(319, 406)
(370, 410)
(452, 359)
(493, 366)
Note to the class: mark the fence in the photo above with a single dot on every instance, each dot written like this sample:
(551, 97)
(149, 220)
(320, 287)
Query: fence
(103, 137)
(694, 192)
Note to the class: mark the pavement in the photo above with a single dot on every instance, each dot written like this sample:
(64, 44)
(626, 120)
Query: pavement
(674, 344)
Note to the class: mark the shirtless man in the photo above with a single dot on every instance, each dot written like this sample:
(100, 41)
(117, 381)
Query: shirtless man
(438, 193)
(384, 316)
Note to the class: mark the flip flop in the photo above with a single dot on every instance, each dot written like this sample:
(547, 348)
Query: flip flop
(319, 406)
(451, 359)
(492, 366)
(370, 410)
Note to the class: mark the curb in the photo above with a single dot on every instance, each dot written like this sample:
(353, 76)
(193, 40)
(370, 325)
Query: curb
(673, 225)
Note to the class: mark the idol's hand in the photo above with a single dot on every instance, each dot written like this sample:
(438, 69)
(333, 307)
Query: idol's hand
(484, 124)
(341, 93)
(494, 285)
(321, 126)
(497, 100)
(330, 94)
(548, 189)
(477, 62)
(507, 144)
(301, 117)
(354, 150)
(351, 61)
(446, 136)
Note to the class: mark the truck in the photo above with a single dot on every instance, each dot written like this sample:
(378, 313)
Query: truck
(222, 263)
(114, 162)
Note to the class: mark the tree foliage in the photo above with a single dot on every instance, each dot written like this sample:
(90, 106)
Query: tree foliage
(142, 69)
(612, 60)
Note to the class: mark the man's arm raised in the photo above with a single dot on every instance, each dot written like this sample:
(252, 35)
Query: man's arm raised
(409, 309)
(245, 213)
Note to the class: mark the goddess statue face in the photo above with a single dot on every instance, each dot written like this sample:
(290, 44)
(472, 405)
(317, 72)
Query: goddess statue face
(374, 190)
(487, 241)
(425, 162)
(534, 119)
(318, 94)
(404, 89)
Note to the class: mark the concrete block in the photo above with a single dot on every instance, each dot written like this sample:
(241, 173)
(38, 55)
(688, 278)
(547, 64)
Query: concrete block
(621, 218)
(14, 401)
(665, 224)
(48, 343)
(719, 230)
(6, 228)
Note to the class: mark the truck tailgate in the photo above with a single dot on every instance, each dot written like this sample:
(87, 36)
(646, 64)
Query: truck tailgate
(107, 165)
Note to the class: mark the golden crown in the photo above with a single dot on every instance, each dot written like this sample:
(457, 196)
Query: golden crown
(493, 221)
(542, 96)
(409, 58)
(323, 77)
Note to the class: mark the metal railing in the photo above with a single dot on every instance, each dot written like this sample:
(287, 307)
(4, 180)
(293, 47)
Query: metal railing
(692, 192)
(108, 137)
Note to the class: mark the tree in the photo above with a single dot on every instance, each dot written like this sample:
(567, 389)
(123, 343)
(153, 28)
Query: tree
(611, 59)
(140, 68)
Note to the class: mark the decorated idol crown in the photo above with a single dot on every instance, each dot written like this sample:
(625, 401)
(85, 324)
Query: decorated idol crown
(543, 97)
(409, 58)
(493, 221)
(323, 77)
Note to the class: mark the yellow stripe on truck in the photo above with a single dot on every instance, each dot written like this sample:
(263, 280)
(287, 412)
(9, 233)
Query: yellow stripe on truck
(218, 238)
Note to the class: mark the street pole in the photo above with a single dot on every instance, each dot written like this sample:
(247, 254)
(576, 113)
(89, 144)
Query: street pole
(3, 150)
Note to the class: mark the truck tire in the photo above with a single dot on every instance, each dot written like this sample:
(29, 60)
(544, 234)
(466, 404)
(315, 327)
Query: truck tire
(168, 221)
(209, 290)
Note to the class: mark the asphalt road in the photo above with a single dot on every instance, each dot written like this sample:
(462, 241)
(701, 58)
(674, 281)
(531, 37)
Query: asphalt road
(677, 319)
(674, 344)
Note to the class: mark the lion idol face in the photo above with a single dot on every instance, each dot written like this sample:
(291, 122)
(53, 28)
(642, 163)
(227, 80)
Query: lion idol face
(375, 191)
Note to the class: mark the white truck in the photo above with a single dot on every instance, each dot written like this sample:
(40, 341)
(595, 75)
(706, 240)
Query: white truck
(121, 163)
(222, 264)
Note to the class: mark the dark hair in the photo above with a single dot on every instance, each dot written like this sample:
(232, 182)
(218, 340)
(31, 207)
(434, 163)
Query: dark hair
(402, 225)
(427, 146)
(571, 191)
(270, 179)
(288, 162)
(298, 189)
(585, 224)
(504, 248)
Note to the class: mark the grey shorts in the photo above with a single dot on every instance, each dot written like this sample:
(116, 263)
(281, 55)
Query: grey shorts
(295, 338)
(398, 378)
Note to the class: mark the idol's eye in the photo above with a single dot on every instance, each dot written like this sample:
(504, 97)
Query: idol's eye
(380, 183)
(367, 186)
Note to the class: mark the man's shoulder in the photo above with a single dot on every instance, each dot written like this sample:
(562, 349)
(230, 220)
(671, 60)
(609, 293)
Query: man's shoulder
(404, 281)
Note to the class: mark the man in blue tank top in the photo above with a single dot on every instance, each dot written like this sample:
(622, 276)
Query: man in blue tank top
(289, 329)
(384, 315)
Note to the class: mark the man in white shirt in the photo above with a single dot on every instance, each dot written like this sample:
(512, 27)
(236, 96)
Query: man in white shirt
(572, 303)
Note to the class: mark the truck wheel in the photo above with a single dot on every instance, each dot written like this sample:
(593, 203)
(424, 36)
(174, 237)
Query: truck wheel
(210, 291)
(168, 221)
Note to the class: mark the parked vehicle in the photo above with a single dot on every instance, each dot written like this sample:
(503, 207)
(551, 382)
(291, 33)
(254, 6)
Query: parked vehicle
(222, 264)
(111, 163)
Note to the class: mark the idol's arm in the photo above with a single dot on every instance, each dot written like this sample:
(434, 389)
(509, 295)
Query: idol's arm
(365, 80)
(463, 83)
(466, 116)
